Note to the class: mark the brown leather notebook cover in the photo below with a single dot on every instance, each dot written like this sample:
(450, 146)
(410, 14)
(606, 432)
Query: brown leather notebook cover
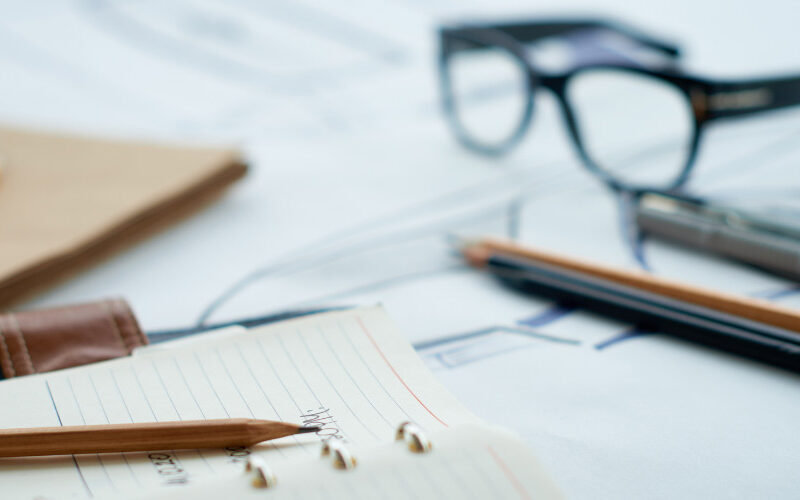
(67, 201)
(44, 340)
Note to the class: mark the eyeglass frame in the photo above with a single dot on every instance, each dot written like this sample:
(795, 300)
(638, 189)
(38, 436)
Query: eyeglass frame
(710, 100)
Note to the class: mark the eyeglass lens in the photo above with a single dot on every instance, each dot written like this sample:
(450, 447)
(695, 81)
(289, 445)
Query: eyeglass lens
(489, 93)
(637, 128)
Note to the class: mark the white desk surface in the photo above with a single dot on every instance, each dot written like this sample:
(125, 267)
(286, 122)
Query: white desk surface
(356, 183)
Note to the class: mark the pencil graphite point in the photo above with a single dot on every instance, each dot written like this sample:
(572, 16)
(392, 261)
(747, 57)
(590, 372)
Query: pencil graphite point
(303, 430)
(476, 255)
(470, 248)
(459, 242)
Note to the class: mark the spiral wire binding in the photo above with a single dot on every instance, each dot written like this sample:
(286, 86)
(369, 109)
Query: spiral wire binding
(340, 455)
(261, 475)
(415, 438)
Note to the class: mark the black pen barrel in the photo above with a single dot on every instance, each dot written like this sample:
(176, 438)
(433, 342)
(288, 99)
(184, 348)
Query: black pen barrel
(756, 341)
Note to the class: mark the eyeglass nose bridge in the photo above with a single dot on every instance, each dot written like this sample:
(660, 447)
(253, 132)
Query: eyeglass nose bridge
(554, 83)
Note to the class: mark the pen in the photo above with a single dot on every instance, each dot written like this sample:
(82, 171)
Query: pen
(113, 438)
(767, 343)
(772, 246)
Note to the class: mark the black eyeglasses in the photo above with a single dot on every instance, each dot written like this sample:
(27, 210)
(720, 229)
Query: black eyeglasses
(636, 124)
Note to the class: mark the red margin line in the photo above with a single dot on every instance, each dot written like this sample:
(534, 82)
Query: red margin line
(375, 344)
(510, 475)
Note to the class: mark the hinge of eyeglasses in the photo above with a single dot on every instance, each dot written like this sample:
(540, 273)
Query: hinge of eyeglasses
(699, 101)
(742, 99)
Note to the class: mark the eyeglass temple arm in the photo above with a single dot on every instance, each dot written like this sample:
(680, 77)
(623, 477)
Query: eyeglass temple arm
(531, 32)
(732, 99)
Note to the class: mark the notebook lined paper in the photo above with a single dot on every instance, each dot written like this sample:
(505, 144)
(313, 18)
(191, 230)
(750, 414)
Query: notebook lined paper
(349, 372)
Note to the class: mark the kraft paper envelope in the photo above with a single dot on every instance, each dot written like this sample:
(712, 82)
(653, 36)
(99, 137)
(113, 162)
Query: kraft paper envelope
(67, 201)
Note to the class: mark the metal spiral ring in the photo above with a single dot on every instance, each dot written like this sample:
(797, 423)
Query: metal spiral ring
(342, 459)
(414, 436)
(261, 475)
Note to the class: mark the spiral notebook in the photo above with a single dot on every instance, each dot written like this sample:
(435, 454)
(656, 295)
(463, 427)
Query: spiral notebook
(349, 372)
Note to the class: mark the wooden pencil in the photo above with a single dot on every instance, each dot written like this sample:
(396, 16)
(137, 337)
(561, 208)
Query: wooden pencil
(187, 434)
(478, 252)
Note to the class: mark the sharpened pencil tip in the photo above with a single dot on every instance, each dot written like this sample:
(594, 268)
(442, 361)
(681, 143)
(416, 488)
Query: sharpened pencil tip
(471, 249)
(476, 255)
(303, 430)
(459, 241)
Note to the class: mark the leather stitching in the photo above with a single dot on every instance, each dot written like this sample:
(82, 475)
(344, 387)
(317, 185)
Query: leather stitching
(130, 320)
(142, 337)
(122, 324)
(8, 362)
(117, 330)
(13, 321)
